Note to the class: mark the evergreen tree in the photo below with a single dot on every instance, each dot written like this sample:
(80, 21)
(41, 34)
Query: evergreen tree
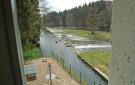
(95, 15)
(29, 22)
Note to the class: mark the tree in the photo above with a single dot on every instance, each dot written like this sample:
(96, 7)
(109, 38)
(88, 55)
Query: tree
(92, 19)
(29, 22)
(95, 15)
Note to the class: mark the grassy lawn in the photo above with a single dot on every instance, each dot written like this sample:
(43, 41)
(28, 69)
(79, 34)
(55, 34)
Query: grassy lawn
(99, 35)
(32, 54)
(98, 59)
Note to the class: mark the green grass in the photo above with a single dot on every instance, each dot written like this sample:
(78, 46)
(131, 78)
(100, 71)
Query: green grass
(99, 59)
(99, 35)
(32, 54)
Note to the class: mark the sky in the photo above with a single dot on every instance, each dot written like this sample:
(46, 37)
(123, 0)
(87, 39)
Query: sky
(61, 5)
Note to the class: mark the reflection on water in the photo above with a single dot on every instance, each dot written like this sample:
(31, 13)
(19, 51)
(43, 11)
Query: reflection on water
(50, 44)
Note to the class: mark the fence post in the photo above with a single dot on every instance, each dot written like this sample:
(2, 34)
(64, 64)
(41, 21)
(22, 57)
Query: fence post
(57, 58)
(80, 78)
(100, 82)
(94, 83)
(70, 69)
(50, 74)
(38, 53)
(53, 55)
(63, 63)
(31, 54)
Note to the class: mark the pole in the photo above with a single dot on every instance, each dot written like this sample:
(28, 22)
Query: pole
(70, 69)
(100, 82)
(63, 63)
(80, 79)
(39, 53)
(57, 58)
(53, 55)
(50, 74)
(94, 83)
(31, 54)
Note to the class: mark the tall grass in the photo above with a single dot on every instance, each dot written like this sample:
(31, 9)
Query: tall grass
(32, 54)
(99, 59)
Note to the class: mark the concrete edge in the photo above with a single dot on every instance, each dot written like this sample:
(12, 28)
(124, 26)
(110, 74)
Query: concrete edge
(96, 70)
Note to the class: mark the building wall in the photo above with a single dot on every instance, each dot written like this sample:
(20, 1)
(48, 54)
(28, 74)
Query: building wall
(122, 66)
(11, 62)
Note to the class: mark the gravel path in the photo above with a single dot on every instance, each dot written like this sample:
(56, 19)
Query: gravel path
(63, 78)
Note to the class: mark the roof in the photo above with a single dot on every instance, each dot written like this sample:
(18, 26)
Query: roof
(30, 69)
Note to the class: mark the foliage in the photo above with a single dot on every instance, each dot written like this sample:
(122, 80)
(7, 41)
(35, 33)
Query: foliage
(29, 22)
(99, 59)
(32, 54)
(96, 15)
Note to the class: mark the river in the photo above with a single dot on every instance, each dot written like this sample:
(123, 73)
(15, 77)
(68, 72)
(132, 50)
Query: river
(49, 44)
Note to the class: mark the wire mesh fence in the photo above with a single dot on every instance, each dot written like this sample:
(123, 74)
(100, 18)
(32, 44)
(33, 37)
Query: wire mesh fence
(69, 61)
(73, 74)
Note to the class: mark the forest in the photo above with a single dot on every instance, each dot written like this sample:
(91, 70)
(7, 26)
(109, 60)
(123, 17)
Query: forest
(96, 15)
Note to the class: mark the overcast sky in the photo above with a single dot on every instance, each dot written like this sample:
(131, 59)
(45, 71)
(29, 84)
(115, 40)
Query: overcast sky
(60, 5)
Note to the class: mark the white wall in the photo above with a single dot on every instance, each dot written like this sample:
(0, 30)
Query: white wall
(122, 66)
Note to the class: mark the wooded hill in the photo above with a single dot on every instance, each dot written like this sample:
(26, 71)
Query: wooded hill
(95, 15)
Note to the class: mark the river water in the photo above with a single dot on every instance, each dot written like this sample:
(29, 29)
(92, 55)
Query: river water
(49, 44)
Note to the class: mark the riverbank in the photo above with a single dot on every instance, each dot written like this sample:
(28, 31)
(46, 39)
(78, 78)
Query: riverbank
(97, 59)
(98, 35)
(96, 70)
